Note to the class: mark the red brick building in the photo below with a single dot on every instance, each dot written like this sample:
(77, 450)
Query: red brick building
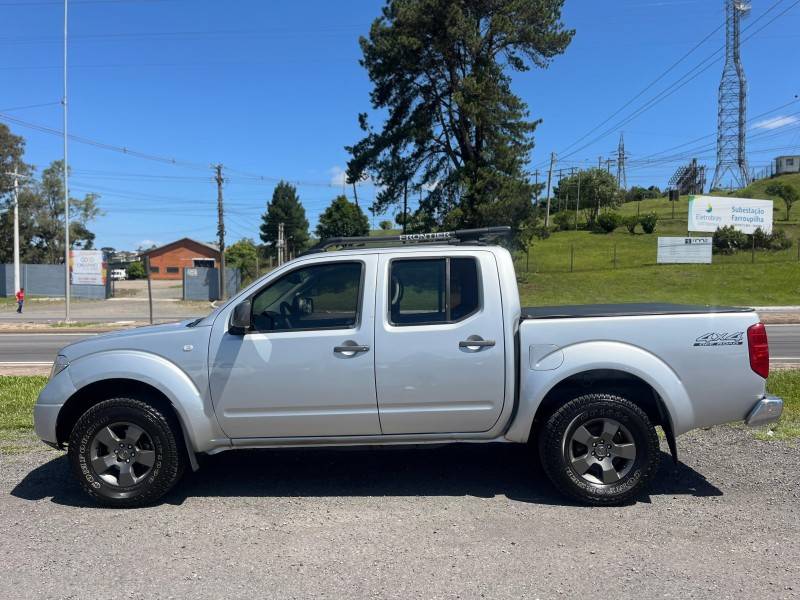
(169, 261)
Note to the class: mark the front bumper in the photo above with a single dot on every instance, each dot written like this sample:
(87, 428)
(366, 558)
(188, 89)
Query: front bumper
(766, 410)
(48, 405)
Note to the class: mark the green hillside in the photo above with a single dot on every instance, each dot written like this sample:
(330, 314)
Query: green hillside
(585, 267)
(663, 207)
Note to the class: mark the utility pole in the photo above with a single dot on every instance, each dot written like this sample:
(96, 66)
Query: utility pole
(281, 243)
(149, 287)
(16, 232)
(220, 232)
(578, 201)
(66, 177)
(549, 179)
(405, 204)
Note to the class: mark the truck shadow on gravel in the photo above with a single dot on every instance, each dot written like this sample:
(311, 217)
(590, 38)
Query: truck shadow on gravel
(482, 471)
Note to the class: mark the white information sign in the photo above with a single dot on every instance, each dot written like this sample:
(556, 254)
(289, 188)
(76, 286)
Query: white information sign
(684, 250)
(709, 213)
(86, 267)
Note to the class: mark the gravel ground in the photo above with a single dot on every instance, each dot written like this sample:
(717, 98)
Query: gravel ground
(451, 522)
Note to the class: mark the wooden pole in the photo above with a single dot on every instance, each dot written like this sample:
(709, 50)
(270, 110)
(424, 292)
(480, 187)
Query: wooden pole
(149, 288)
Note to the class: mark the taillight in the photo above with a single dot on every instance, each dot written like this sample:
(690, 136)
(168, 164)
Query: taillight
(759, 349)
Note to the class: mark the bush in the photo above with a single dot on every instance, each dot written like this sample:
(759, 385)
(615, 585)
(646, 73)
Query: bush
(608, 221)
(776, 240)
(564, 220)
(135, 271)
(630, 223)
(779, 241)
(648, 222)
(728, 240)
(385, 225)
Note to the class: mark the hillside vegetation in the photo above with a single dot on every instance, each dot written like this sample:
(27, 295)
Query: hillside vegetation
(577, 267)
(663, 207)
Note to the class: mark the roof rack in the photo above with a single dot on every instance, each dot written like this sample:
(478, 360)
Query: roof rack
(461, 236)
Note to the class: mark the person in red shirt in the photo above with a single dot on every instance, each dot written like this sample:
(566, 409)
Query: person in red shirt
(20, 299)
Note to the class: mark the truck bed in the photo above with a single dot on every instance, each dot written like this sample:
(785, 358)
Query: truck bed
(578, 311)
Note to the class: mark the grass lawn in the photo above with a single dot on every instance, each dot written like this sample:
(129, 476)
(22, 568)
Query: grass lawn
(581, 267)
(785, 384)
(18, 394)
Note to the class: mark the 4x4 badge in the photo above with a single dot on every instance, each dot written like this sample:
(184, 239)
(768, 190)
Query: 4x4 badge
(720, 339)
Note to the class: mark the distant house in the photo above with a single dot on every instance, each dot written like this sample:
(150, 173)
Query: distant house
(787, 164)
(169, 261)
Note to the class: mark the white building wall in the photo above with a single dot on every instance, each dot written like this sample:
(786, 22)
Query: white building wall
(787, 164)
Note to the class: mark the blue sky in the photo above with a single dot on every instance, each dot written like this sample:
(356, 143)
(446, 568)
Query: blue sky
(273, 89)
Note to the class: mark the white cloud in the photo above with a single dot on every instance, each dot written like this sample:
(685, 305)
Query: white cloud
(338, 176)
(776, 122)
(148, 244)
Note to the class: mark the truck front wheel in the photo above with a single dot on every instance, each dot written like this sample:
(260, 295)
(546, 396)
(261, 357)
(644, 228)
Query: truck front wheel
(600, 449)
(125, 453)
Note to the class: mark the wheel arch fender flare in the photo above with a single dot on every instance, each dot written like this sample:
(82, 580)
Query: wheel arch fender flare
(584, 357)
(193, 409)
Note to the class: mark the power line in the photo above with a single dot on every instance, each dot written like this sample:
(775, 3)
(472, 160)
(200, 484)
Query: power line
(102, 145)
(644, 90)
(27, 106)
(252, 177)
(711, 135)
(686, 78)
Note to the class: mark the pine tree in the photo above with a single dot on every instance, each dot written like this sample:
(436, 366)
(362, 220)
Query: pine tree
(454, 130)
(285, 207)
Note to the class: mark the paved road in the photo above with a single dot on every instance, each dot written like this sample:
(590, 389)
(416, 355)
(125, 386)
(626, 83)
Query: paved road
(468, 521)
(784, 341)
(34, 347)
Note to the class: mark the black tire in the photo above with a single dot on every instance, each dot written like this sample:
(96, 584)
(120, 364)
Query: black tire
(612, 477)
(143, 483)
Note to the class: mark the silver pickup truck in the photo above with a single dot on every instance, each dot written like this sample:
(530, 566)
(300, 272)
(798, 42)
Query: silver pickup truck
(420, 339)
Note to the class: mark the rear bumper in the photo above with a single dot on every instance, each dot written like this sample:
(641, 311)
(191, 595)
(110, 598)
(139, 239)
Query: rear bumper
(766, 410)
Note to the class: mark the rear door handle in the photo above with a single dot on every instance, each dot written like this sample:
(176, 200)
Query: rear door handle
(350, 349)
(475, 343)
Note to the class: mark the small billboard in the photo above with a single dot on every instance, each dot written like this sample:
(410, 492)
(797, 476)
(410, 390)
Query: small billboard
(675, 250)
(86, 267)
(709, 213)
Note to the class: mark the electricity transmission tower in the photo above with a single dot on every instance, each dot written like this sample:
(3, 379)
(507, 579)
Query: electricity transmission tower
(731, 157)
(622, 178)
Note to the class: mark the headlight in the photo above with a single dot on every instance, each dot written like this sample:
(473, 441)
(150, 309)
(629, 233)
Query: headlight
(59, 365)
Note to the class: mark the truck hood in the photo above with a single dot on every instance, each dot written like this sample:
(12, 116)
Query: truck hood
(151, 338)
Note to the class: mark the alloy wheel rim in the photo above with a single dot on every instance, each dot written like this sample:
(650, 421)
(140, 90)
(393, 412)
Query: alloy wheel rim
(122, 454)
(600, 451)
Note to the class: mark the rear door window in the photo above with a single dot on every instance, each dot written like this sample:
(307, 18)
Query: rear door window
(433, 291)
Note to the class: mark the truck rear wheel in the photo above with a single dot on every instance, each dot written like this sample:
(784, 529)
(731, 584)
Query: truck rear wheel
(600, 449)
(125, 453)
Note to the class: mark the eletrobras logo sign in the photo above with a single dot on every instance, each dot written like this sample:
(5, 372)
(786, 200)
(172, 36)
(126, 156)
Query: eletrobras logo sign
(708, 213)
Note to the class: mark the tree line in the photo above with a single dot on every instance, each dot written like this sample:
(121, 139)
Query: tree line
(41, 207)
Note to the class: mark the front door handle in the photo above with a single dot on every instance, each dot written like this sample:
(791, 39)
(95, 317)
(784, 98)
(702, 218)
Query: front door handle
(475, 343)
(350, 348)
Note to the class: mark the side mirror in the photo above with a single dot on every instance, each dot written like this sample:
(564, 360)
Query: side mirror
(240, 318)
